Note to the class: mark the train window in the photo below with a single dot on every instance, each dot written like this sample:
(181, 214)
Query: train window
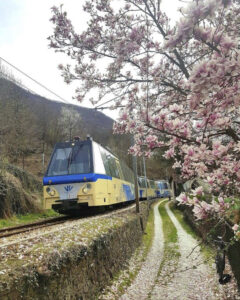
(105, 162)
(165, 185)
(142, 182)
(127, 172)
(152, 184)
(109, 163)
(70, 160)
(162, 185)
(116, 168)
(119, 169)
(98, 160)
(113, 166)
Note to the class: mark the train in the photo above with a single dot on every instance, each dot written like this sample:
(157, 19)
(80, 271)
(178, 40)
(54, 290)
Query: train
(163, 189)
(83, 174)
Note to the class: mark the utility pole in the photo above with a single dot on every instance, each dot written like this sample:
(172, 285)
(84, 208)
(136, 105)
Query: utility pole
(134, 162)
(144, 165)
(43, 163)
(145, 176)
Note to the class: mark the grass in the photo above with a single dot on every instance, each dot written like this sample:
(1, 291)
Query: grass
(171, 250)
(28, 218)
(53, 249)
(149, 232)
(207, 250)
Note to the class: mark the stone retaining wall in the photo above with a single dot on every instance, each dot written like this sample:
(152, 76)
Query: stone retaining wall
(86, 270)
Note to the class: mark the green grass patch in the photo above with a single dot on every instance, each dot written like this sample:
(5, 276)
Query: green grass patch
(207, 251)
(27, 218)
(179, 215)
(171, 250)
(169, 230)
(149, 232)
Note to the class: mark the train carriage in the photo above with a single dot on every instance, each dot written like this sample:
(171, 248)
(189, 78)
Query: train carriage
(83, 173)
(164, 189)
(142, 188)
(152, 189)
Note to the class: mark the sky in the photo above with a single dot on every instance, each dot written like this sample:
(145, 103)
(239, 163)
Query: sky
(24, 28)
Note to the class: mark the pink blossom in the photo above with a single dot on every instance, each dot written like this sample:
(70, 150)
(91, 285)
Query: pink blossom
(190, 152)
(216, 207)
(199, 212)
(198, 191)
(210, 180)
(169, 153)
(235, 227)
(182, 96)
(182, 199)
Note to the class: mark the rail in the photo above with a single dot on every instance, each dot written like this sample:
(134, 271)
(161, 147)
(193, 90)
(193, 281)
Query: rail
(9, 231)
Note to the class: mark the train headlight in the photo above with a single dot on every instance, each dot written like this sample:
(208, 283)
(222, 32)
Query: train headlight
(50, 191)
(86, 188)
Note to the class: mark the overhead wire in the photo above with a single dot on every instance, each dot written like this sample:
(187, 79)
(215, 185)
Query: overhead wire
(34, 80)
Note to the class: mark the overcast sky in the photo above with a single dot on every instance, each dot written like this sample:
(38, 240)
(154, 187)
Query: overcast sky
(24, 28)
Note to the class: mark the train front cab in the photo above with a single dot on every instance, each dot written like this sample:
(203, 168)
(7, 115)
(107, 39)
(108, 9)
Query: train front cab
(85, 174)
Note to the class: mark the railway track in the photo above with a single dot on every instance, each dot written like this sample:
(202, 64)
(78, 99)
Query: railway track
(9, 231)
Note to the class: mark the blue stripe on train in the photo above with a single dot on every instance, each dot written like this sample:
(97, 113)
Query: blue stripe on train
(128, 192)
(60, 179)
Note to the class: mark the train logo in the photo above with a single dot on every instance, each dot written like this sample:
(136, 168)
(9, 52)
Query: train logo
(68, 188)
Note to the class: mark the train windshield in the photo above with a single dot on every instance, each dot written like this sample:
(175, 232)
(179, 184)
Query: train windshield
(163, 185)
(70, 160)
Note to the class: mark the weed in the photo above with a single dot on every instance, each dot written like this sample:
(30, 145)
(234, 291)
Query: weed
(27, 218)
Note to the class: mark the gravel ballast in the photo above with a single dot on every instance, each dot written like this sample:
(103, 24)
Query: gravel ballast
(144, 281)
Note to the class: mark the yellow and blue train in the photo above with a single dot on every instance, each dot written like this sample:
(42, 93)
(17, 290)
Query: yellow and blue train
(85, 174)
(163, 189)
(147, 188)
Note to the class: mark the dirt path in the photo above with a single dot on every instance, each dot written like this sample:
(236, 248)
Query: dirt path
(170, 272)
(193, 278)
(184, 277)
(145, 279)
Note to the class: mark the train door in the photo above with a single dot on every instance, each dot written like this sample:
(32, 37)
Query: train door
(112, 173)
(100, 168)
(120, 188)
(116, 178)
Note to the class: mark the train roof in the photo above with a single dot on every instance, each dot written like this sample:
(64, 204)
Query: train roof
(161, 180)
(87, 140)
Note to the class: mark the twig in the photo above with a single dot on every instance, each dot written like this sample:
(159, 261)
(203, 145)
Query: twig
(193, 249)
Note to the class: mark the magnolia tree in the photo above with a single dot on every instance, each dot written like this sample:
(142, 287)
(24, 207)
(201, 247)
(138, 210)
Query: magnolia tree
(175, 85)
